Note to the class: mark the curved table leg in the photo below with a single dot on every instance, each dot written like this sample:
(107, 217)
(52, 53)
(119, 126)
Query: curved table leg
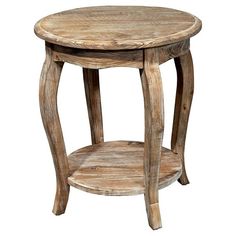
(49, 82)
(154, 126)
(184, 94)
(93, 98)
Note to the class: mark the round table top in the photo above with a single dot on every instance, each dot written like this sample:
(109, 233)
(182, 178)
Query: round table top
(117, 27)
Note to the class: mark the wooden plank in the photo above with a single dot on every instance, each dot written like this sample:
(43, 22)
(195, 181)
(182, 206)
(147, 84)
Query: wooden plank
(49, 82)
(93, 98)
(116, 168)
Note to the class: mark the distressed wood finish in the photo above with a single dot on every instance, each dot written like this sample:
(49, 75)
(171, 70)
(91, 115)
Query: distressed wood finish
(116, 168)
(154, 127)
(171, 51)
(93, 98)
(97, 59)
(117, 27)
(49, 81)
(119, 36)
(184, 94)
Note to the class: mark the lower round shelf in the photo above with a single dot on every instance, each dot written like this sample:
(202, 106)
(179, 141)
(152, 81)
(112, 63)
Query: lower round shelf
(116, 168)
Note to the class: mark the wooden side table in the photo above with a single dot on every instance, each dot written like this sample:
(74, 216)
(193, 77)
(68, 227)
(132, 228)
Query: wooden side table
(119, 36)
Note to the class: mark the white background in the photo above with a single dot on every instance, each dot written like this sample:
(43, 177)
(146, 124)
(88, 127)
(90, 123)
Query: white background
(27, 179)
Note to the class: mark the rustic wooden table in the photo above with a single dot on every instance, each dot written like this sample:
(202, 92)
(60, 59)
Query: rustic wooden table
(119, 36)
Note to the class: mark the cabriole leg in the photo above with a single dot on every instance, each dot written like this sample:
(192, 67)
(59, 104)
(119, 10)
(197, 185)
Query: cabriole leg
(184, 94)
(49, 82)
(93, 98)
(154, 126)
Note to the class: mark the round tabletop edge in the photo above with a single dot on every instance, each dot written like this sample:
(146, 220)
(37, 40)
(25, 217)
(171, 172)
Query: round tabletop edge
(116, 44)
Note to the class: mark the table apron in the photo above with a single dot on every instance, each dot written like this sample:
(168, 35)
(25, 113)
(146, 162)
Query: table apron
(99, 59)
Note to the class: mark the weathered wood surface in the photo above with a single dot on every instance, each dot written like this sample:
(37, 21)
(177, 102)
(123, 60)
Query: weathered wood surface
(49, 82)
(112, 36)
(97, 59)
(117, 27)
(93, 98)
(184, 94)
(116, 168)
(171, 51)
(154, 127)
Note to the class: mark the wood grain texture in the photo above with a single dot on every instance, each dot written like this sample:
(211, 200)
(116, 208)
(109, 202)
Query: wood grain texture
(171, 51)
(49, 82)
(117, 27)
(116, 168)
(97, 59)
(154, 127)
(119, 36)
(93, 98)
(184, 94)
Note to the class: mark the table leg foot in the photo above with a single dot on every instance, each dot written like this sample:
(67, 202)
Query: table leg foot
(183, 179)
(154, 217)
(61, 200)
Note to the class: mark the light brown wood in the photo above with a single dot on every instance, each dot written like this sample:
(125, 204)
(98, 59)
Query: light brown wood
(93, 98)
(117, 27)
(49, 81)
(97, 59)
(119, 36)
(116, 168)
(184, 94)
(172, 50)
(154, 127)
